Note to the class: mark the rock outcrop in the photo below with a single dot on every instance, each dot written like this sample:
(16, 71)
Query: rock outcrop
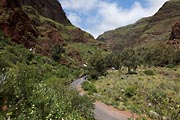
(174, 39)
(48, 8)
(175, 34)
(9, 3)
(16, 24)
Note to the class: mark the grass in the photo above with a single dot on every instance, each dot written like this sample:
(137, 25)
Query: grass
(148, 91)
(88, 86)
(149, 72)
(85, 50)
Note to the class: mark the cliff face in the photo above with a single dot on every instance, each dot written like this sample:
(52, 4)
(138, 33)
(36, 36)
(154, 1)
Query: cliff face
(48, 8)
(174, 39)
(146, 30)
(16, 24)
(9, 3)
(175, 34)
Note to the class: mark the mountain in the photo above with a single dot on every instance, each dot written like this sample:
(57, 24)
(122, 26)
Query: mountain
(151, 29)
(48, 8)
(42, 26)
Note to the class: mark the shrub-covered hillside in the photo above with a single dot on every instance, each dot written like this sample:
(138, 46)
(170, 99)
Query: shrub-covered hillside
(146, 30)
(35, 87)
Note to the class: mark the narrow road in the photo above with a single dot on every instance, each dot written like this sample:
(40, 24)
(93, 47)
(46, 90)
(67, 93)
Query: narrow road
(103, 111)
(78, 82)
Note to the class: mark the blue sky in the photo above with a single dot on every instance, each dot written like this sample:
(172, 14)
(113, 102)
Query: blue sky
(98, 16)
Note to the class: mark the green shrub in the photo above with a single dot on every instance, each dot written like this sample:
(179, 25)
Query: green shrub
(57, 52)
(149, 72)
(170, 66)
(88, 86)
(130, 91)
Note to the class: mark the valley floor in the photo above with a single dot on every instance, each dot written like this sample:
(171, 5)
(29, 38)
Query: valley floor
(153, 92)
(102, 111)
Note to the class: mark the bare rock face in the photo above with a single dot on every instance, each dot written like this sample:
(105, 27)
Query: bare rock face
(52, 37)
(175, 34)
(48, 8)
(174, 39)
(15, 23)
(9, 3)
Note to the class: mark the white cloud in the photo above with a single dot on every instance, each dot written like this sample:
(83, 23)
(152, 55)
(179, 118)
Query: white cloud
(98, 16)
(74, 18)
(78, 4)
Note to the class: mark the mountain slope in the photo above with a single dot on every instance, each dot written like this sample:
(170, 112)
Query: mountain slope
(48, 8)
(27, 25)
(155, 28)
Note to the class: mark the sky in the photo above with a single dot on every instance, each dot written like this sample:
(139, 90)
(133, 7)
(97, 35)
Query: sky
(98, 16)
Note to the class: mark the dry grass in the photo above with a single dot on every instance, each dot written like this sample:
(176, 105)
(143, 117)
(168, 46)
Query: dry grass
(133, 92)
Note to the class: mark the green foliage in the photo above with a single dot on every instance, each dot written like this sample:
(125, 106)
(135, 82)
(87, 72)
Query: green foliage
(96, 66)
(130, 91)
(83, 103)
(29, 97)
(3, 40)
(149, 72)
(161, 103)
(57, 52)
(130, 59)
(160, 55)
(88, 86)
(149, 55)
(114, 60)
(35, 87)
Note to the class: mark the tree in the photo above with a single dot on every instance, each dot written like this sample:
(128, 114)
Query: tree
(96, 66)
(113, 60)
(131, 60)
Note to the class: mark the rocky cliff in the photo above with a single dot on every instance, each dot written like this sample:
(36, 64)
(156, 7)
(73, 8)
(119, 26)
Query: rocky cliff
(48, 8)
(16, 24)
(146, 30)
(174, 39)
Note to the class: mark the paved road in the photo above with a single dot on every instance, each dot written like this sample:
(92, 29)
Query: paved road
(78, 82)
(102, 111)
(105, 112)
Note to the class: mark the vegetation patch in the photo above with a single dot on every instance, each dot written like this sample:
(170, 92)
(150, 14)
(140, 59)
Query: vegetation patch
(143, 93)
(149, 72)
(88, 86)
(36, 87)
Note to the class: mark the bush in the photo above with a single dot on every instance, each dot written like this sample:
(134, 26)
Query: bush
(162, 103)
(89, 87)
(149, 72)
(130, 91)
(57, 52)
